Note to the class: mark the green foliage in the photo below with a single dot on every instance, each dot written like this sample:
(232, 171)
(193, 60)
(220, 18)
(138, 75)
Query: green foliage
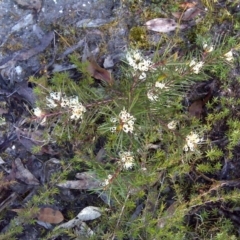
(169, 176)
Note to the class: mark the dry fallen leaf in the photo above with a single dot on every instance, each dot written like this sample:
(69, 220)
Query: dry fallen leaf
(196, 108)
(87, 180)
(189, 14)
(97, 72)
(163, 25)
(87, 214)
(188, 5)
(46, 214)
(23, 174)
(50, 215)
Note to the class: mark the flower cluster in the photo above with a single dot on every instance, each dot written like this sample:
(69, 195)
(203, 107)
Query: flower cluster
(126, 160)
(191, 141)
(152, 94)
(125, 120)
(138, 62)
(57, 98)
(107, 181)
(196, 66)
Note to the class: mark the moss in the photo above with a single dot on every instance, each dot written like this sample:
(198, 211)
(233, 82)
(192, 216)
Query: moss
(138, 37)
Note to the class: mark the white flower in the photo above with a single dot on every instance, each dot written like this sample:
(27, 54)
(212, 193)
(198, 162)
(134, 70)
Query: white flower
(108, 180)
(41, 115)
(137, 61)
(38, 112)
(56, 95)
(191, 141)
(229, 56)
(113, 129)
(76, 108)
(113, 119)
(196, 66)
(172, 125)
(127, 128)
(126, 160)
(77, 111)
(208, 48)
(137, 56)
(143, 76)
(143, 66)
(151, 95)
(160, 85)
(127, 121)
(51, 103)
(64, 102)
(73, 101)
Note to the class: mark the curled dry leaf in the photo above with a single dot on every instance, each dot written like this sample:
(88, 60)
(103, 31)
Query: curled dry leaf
(23, 174)
(87, 214)
(97, 72)
(163, 25)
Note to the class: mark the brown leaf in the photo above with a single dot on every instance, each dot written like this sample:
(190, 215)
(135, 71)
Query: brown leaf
(97, 72)
(190, 14)
(46, 214)
(23, 174)
(163, 25)
(188, 5)
(50, 215)
(177, 14)
(196, 108)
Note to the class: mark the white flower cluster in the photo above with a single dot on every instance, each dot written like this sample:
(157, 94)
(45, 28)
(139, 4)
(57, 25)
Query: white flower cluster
(138, 62)
(126, 121)
(72, 103)
(126, 160)
(191, 141)
(107, 181)
(152, 94)
(196, 66)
